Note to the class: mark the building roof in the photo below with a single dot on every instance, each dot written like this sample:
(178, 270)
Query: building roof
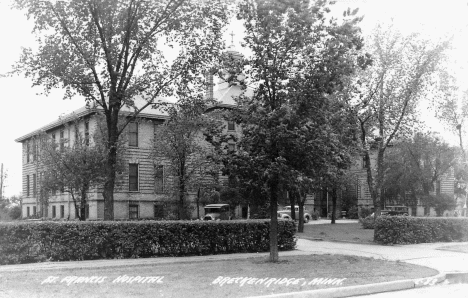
(149, 112)
(224, 94)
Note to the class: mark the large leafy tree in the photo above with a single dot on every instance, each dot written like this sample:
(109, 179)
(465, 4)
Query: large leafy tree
(388, 93)
(452, 108)
(414, 165)
(113, 52)
(297, 60)
(73, 168)
(180, 144)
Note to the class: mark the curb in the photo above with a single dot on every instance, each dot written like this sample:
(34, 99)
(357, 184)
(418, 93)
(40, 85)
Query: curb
(390, 286)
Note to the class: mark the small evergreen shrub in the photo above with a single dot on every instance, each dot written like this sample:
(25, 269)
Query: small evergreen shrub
(315, 215)
(352, 213)
(409, 230)
(14, 212)
(367, 223)
(365, 212)
(26, 242)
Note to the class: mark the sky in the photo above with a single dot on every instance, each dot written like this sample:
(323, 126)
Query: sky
(24, 110)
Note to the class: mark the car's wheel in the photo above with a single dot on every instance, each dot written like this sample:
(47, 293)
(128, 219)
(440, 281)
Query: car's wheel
(306, 219)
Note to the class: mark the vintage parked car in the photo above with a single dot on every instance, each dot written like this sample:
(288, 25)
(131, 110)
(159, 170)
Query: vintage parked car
(217, 212)
(286, 213)
(392, 213)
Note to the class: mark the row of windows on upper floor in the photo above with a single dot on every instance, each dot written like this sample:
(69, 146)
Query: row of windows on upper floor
(133, 180)
(32, 146)
(134, 177)
(133, 138)
(133, 131)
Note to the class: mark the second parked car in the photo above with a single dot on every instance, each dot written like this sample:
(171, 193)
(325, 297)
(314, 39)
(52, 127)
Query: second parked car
(286, 213)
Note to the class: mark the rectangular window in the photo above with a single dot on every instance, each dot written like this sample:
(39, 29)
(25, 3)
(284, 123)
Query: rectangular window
(133, 134)
(28, 151)
(133, 177)
(62, 140)
(158, 178)
(133, 210)
(62, 211)
(27, 186)
(87, 211)
(158, 211)
(34, 210)
(231, 125)
(77, 134)
(28, 213)
(54, 212)
(53, 139)
(34, 150)
(34, 185)
(86, 133)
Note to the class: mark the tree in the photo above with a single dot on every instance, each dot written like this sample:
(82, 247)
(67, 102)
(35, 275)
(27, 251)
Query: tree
(180, 144)
(452, 108)
(74, 168)
(14, 212)
(113, 54)
(287, 63)
(387, 93)
(414, 165)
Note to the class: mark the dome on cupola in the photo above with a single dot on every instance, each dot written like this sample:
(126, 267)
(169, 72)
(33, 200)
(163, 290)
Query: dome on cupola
(232, 53)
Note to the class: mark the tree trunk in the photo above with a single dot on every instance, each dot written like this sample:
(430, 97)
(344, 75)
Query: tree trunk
(181, 199)
(109, 185)
(292, 202)
(370, 184)
(426, 190)
(84, 192)
(334, 198)
(198, 203)
(274, 257)
(77, 213)
(301, 201)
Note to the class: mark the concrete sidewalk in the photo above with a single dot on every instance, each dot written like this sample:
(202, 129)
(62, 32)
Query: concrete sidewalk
(425, 254)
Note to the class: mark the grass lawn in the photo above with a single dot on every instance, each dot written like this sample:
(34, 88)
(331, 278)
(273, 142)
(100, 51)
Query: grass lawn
(203, 279)
(349, 232)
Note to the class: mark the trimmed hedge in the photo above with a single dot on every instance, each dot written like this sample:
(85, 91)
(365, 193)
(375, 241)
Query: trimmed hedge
(27, 242)
(410, 230)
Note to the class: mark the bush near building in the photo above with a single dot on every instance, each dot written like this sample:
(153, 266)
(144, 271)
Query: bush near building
(367, 222)
(410, 230)
(27, 242)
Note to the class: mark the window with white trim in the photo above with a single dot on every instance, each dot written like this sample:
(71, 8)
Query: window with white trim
(133, 177)
(133, 134)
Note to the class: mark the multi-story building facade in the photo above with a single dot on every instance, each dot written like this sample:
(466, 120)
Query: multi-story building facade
(139, 188)
(142, 187)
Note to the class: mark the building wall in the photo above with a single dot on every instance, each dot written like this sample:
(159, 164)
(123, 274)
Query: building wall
(32, 166)
(145, 196)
